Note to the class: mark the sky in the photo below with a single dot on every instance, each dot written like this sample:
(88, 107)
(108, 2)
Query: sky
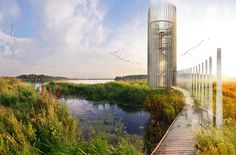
(79, 38)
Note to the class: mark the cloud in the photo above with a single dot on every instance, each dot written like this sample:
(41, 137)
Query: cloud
(14, 47)
(202, 20)
(72, 23)
(9, 13)
(9, 10)
(75, 35)
(74, 40)
(68, 28)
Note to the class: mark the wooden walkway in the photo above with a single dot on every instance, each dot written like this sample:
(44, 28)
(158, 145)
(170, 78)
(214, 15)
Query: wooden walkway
(180, 139)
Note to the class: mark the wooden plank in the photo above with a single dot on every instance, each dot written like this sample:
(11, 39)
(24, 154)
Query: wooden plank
(181, 136)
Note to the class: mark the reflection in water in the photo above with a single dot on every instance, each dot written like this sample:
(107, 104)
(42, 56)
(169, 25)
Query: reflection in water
(153, 134)
(89, 111)
(38, 85)
(87, 81)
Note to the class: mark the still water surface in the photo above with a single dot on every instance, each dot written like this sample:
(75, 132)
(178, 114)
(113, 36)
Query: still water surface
(89, 111)
(87, 81)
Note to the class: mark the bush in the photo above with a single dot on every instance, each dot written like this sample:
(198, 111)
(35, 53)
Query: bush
(164, 106)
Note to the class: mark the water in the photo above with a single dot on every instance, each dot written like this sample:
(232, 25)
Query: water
(38, 85)
(89, 111)
(87, 81)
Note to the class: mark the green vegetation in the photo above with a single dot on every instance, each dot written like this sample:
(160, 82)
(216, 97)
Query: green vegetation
(163, 104)
(218, 142)
(128, 96)
(35, 123)
(39, 78)
(223, 141)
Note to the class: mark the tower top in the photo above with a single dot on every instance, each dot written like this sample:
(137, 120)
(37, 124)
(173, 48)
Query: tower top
(160, 2)
(162, 10)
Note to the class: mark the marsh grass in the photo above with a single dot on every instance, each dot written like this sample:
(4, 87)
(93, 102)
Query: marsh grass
(218, 142)
(35, 123)
(223, 141)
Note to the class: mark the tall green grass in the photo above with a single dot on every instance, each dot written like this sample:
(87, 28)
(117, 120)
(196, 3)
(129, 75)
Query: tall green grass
(35, 123)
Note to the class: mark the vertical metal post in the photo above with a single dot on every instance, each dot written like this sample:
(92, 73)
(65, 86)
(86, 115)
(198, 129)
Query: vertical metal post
(185, 78)
(206, 85)
(192, 80)
(199, 83)
(196, 87)
(210, 104)
(188, 79)
(219, 106)
(202, 83)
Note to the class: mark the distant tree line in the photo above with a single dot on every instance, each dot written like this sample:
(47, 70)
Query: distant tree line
(33, 78)
(131, 77)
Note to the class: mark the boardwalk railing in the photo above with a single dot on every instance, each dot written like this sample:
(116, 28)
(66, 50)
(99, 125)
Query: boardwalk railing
(198, 80)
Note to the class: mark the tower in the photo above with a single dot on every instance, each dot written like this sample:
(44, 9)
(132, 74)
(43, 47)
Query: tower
(162, 45)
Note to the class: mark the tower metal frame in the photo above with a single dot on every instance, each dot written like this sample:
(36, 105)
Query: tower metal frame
(162, 45)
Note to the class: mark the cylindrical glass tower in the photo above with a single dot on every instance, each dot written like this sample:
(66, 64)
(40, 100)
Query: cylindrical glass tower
(162, 45)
